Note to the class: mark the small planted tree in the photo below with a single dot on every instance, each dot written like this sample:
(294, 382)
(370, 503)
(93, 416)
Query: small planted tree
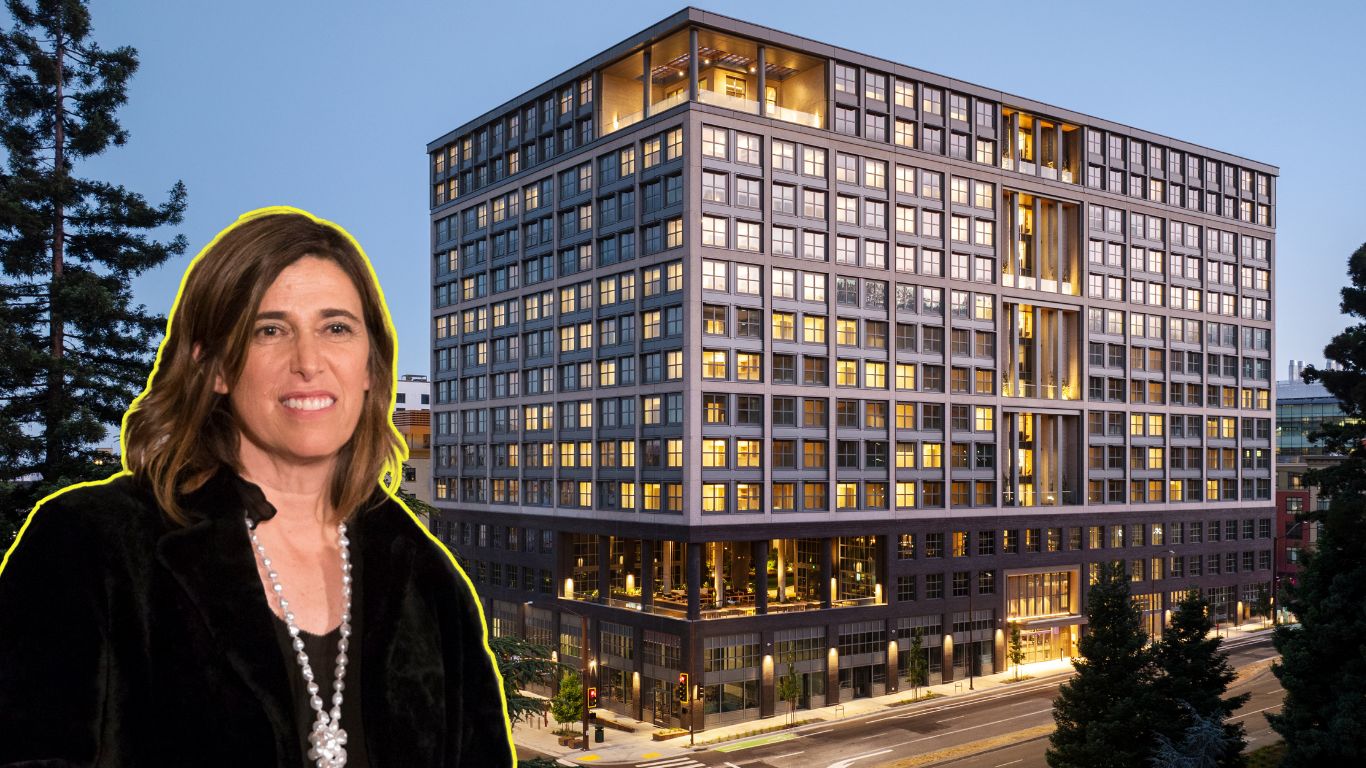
(1017, 654)
(567, 706)
(917, 671)
(790, 690)
(1262, 606)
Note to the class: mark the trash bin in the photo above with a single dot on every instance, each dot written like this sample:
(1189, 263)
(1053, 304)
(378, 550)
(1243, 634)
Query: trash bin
(597, 734)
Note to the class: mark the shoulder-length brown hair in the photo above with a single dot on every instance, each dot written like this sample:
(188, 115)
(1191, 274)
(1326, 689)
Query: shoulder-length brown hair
(179, 432)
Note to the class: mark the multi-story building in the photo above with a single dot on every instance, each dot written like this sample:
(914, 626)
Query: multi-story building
(757, 352)
(413, 392)
(1301, 410)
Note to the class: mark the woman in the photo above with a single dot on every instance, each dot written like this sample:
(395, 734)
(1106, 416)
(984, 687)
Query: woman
(248, 592)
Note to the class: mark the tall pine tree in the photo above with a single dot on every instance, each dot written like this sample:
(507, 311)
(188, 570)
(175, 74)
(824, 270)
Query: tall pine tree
(77, 349)
(1194, 675)
(1105, 714)
(1323, 657)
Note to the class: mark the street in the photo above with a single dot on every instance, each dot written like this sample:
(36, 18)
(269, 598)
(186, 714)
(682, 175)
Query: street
(1008, 726)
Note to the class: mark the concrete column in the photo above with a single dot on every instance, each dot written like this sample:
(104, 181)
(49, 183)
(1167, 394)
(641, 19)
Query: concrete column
(637, 679)
(763, 81)
(718, 577)
(1011, 234)
(692, 64)
(646, 83)
(1014, 445)
(1038, 456)
(604, 567)
(893, 659)
(694, 576)
(1058, 459)
(668, 554)
(648, 550)
(832, 670)
(827, 571)
(946, 663)
(768, 674)
(782, 570)
(760, 559)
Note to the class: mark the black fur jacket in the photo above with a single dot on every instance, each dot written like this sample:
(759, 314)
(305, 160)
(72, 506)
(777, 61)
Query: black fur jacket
(126, 640)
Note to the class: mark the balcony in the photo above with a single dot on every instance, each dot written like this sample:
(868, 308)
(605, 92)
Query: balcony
(1038, 146)
(736, 103)
(790, 87)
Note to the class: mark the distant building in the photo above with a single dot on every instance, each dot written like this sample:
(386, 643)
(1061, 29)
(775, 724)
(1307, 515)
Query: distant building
(414, 392)
(416, 427)
(413, 418)
(1301, 409)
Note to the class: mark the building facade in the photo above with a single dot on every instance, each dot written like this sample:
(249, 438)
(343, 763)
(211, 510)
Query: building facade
(1301, 409)
(763, 354)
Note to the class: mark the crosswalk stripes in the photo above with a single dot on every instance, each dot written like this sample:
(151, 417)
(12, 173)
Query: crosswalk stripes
(673, 762)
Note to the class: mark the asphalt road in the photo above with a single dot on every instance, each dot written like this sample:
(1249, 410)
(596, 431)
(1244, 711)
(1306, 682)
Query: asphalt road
(1004, 728)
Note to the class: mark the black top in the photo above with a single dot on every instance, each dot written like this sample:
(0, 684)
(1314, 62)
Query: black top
(148, 643)
(322, 657)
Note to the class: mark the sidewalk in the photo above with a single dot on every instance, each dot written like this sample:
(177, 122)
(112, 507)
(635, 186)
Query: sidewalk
(622, 747)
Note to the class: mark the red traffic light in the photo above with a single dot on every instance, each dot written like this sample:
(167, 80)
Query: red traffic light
(592, 697)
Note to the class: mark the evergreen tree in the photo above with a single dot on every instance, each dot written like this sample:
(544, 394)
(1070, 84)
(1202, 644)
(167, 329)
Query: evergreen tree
(1203, 745)
(522, 663)
(1105, 713)
(1195, 674)
(424, 511)
(76, 347)
(1323, 658)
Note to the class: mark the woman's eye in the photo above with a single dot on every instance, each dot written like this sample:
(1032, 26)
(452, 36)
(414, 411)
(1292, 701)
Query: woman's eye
(269, 331)
(339, 329)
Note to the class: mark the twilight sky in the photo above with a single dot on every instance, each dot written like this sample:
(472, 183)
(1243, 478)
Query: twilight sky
(328, 105)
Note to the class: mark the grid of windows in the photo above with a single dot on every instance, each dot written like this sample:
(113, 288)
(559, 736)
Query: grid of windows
(923, 327)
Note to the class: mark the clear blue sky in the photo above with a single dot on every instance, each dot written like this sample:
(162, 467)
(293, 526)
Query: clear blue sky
(328, 105)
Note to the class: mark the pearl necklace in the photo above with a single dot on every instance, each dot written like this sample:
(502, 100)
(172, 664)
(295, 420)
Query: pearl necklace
(327, 737)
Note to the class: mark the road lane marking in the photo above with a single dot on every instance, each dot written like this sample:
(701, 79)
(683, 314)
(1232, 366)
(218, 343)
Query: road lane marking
(850, 761)
(672, 762)
(968, 749)
(1255, 711)
(1012, 762)
(760, 741)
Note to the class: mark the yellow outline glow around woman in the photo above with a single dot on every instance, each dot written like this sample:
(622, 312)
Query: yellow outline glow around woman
(248, 591)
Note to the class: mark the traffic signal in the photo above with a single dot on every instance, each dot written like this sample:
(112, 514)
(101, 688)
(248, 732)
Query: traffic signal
(682, 691)
(592, 697)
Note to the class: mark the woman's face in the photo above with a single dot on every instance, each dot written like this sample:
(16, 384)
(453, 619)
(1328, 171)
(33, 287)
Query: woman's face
(299, 396)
